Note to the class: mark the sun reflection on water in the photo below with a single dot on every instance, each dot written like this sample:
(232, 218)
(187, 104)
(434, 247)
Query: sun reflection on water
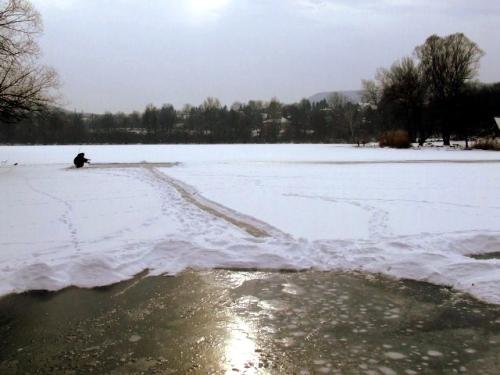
(240, 350)
(236, 279)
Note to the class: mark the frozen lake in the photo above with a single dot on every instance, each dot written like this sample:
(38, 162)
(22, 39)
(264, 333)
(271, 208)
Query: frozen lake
(414, 214)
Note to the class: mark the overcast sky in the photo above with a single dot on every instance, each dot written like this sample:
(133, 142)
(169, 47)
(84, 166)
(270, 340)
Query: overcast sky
(120, 55)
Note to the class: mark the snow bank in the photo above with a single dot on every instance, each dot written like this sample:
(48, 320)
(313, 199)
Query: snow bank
(93, 226)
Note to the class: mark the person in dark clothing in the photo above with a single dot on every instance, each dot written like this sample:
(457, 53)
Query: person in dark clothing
(80, 160)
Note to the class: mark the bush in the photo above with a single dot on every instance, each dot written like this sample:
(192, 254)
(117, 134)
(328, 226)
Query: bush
(487, 144)
(395, 139)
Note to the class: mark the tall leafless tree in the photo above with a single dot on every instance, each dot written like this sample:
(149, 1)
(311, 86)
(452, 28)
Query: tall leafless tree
(448, 64)
(25, 84)
(403, 88)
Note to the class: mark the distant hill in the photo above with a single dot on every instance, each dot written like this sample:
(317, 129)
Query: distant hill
(353, 95)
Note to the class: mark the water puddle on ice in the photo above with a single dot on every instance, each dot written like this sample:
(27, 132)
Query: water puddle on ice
(248, 322)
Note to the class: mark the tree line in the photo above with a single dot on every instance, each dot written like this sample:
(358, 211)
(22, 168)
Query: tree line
(434, 92)
(333, 120)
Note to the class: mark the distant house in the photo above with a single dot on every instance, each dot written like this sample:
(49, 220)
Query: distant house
(281, 124)
(372, 106)
(139, 131)
(86, 117)
(354, 96)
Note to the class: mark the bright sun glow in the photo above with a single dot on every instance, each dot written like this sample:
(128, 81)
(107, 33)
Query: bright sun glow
(240, 348)
(206, 7)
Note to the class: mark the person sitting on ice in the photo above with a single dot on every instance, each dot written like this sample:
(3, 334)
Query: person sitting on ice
(80, 160)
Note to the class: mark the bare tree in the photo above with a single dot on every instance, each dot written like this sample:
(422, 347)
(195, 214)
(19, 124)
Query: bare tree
(403, 91)
(275, 109)
(211, 104)
(448, 64)
(337, 101)
(371, 92)
(25, 84)
(345, 113)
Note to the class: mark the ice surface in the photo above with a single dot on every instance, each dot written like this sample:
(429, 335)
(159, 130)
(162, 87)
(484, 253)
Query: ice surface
(405, 213)
(234, 154)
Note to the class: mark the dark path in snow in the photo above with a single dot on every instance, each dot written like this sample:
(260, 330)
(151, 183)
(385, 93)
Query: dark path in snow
(250, 225)
(132, 165)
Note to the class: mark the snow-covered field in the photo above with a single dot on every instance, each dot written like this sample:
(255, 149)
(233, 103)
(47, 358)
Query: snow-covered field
(404, 213)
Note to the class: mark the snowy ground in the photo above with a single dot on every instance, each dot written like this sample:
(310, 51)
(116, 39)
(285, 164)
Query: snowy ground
(405, 213)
